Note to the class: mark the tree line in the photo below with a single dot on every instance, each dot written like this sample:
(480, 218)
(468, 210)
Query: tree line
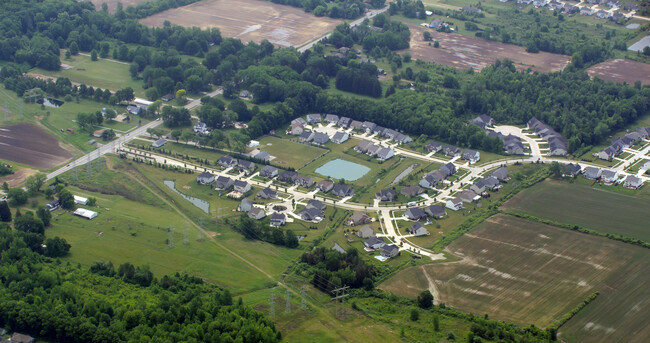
(344, 9)
(331, 269)
(260, 230)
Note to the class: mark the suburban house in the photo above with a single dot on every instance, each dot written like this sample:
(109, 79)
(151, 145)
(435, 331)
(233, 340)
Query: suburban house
(311, 215)
(454, 204)
(224, 182)
(491, 182)
(415, 213)
(602, 14)
(632, 182)
(342, 190)
(479, 187)
(411, 191)
(385, 153)
(451, 151)
(245, 205)
(468, 196)
(296, 129)
(571, 170)
(368, 126)
(267, 193)
(402, 139)
(262, 155)
(373, 150)
(159, 143)
(571, 9)
(418, 229)
(379, 130)
(277, 219)
(363, 146)
(608, 153)
(501, 174)
(52, 205)
(246, 166)
(320, 138)
(20, 338)
(313, 118)
(304, 181)
(227, 161)
(389, 250)
(592, 173)
(340, 137)
(645, 165)
(331, 118)
(366, 232)
(241, 186)
(471, 155)
(256, 213)
(433, 147)
(386, 195)
(325, 185)
(557, 144)
(306, 136)
(435, 211)
(449, 169)
(300, 121)
(358, 218)
(374, 243)
(201, 128)
(430, 180)
(356, 125)
(338, 248)
(269, 171)
(315, 204)
(287, 176)
(482, 121)
(609, 176)
(344, 122)
(205, 178)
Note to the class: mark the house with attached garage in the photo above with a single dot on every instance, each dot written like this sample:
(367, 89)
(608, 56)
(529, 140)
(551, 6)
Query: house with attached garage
(246, 166)
(433, 147)
(245, 205)
(385, 153)
(368, 126)
(389, 250)
(306, 136)
(454, 204)
(358, 218)
(609, 177)
(491, 182)
(313, 118)
(415, 213)
(227, 161)
(374, 243)
(373, 150)
(344, 122)
(224, 182)
(320, 138)
(277, 219)
(430, 180)
(363, 146)
(418, 229)
(592, 173)
(501, 174)
(468, 196)
(356, 125)
(602, 14)
(632, 182)
(269, 171)
(300, 121)
(366, 232)
(645, 165)
(205, 178)
(315, 204)
(471, 155)
(386, 195)
(331, 118)
(296, 129)
(449, 169)
(342, 190)
(608, 153)
(325, 185)
(402, 139)
(256, 213)
(287, 176)
(262, 155)
(311, 215)
(267, 193)
(586, 11)
(435, 211)
(482, 121)
(241, 186)
(411, 191)
(571, 170)
(451, 151)
(340, 137)
(478, 187)
(304, 181)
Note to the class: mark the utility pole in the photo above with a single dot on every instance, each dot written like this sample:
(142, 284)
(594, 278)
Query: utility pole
(340, 294)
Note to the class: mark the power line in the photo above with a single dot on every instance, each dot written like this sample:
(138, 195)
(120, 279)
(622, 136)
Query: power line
(170, 240)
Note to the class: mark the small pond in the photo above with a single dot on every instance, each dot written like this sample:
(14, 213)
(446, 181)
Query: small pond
(49, 102)
(342, 169)
(202, 204)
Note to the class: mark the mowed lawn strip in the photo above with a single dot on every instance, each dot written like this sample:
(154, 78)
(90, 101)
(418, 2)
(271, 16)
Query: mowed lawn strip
(579, 204)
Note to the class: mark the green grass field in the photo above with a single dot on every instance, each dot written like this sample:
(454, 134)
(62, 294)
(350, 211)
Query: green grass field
(599, 209)
(289, 154)
(528, 272)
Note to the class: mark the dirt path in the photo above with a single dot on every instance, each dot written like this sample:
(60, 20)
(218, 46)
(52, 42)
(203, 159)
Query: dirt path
(18, 178)
(432, 286)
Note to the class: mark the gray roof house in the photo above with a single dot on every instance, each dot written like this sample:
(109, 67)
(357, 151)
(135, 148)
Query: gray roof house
(449, 169)
(315, 204)
(418, 229)
(245, 205)
(451, 151)
(287, 176)
(632, 182)
(454, 204)
(389, 250)
(366, 232)
(311, 215)
(313, 118)
(468, 196)
(607, 154)
(411, 191)
(415, 213)
(592, 173)
(478, 187)
(482, 121)
(356, 125)
(344, 122)
(385, 153)
(325, 185)
(386, 195)
(490, 182)
(340, 137)
(435, 211)
(296, 129)
(263, 155)
(501, 174)
(342, 190)
(358, 218)
(429, 181)
(433, 147)
(571, 169)
(246, 166)
(224, 182)
(363, 146)
(338, 248)
(267, 193)
(159, 143)
(374, 243)
(304, 181)
(320, 138)
(471, 155)
(20, 338)
(227, 161)
(402, 139)
(241, 186)
(368, 126)
(300, 121)
(269, 171)
(256, 213)
(205, 178)
(306, 136)
(609, 176)
(331, 118)
(277, 219)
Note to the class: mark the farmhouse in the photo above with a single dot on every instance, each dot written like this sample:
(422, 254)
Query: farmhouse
(256, 213)
(262, 155)
(277, 219)
(313, 118)
(412, 191)
(84, 213)
(342, 190)
(358, 218)
(311, 215)
(168, 97)
(331, 118)
(267, 193)
(340, 137)
(592, 173)
(386, 195)
(433, 147)
(435, 24)
(159, 143)
(269, 171)
(415, 213)
(632, 182)
(366, 232)
(245, 205)
(454, 204)
(468, 196)
(374, 243)
(389, 250)
(609, 176)
(325, 185)
(418, 229)
(241, 186)
(471, 155)
(205, 178)
(435, 211)
(98, 133)
(451, 151)
(224, 182)
(449, 169)
(227, 161)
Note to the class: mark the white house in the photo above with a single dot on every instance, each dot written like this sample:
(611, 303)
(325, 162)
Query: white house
(632, 182)
(471, 155)
(340, 137)
(454, 204)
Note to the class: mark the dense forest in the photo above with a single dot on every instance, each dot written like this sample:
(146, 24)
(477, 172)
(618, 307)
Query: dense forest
(63, 302)
(345, 9)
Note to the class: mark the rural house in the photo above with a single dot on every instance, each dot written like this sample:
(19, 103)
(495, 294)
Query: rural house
(374, 243)
(418, 229)
(389, 250)
(313, 119)
(224, 182)
(435, 211)
(241, 186)
(269, 172)
(358, 218)
(468, 196)
(277, 219)
(52, 205)
(592, 173)
(245, 205)
(331, 118)
(433, 147)
(340, 137)
(227, 161)
(267, 193)
(256, 213)
(449, 169)
(159, 143)
(454, 204)
(415, 213)
(205, 178)
(632, 182)
(386, 195)
(201, 128)
(471, 155)
(366, 232)
(411, 191)
(325, 185)
(342, 190)
(609, 177)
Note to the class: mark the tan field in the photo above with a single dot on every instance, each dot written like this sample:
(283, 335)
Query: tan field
(112, 4)
(463, 52)
(620, 71)
(249, 20)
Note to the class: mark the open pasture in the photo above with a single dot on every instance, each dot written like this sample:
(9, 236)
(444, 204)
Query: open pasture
(249, 20)
(620, 70)
(112, 4)
(464, 52)
(532, 273)
(28, 144)
(580, 204)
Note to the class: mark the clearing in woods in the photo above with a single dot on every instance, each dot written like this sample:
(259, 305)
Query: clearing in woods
(620, 70)
(579, 204)
(463, 52)
(249, 20)
(531, 273)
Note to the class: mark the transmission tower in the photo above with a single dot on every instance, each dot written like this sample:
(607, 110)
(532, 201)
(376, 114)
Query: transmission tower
(272, 305)
(186, 239)
(303, 303)
(74, 166)
(170, 240)
(287, 308)
(339, 297)
(99, 164)
(89, 168)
